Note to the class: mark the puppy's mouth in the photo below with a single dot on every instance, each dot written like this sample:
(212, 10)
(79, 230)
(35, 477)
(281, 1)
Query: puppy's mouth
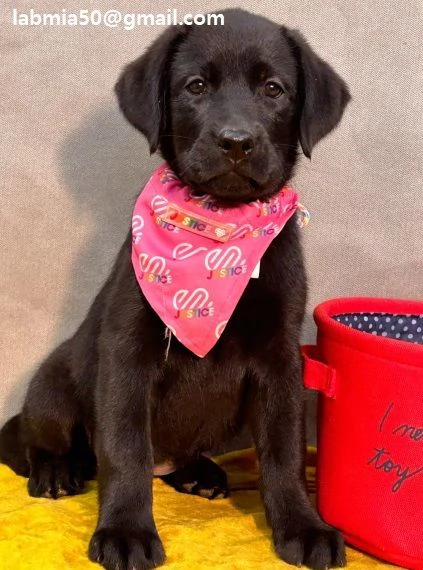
(231, 188)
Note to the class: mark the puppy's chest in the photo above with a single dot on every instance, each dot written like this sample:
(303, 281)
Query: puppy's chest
(259, 311)
(196, 401)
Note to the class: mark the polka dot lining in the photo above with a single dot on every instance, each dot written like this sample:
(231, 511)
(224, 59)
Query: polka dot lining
(399, 327)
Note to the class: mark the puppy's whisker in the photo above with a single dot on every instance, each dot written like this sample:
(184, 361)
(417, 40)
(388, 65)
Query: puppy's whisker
(173, 136)
(285, 145)
(189, 166)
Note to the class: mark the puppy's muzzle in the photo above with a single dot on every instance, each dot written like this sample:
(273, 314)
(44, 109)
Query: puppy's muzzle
(236, 145)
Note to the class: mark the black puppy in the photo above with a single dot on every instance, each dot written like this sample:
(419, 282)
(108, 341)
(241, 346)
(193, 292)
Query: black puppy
(227, 107)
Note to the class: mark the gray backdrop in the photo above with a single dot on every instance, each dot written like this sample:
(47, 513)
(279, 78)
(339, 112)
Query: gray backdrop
(70, 166)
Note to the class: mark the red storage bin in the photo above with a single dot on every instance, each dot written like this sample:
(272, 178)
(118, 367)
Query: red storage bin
(368, 366)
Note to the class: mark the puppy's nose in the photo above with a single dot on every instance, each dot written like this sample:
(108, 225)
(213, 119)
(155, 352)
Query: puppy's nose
(235, 144)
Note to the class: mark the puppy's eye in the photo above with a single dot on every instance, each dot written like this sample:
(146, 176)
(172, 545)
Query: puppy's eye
(197, 87)
(273, 89)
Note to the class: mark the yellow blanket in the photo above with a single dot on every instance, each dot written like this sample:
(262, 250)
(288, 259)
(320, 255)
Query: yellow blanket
(225, 534)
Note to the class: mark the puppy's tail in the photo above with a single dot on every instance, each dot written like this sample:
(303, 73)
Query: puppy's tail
(12, 448)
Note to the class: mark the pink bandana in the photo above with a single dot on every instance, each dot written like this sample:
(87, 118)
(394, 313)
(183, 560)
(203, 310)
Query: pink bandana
(193, 259)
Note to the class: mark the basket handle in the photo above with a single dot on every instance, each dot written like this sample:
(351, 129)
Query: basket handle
(317, 375)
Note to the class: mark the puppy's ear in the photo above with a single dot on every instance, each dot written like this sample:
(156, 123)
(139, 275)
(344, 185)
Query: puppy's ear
(323, 94)
(141, 88)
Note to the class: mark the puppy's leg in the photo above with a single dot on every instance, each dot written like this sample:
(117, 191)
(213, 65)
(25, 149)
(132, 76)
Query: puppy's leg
(126, 535)
(56, 445)
(276, 416)
(202, 477)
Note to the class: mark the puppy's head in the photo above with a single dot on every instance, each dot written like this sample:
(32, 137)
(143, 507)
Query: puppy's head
(228, 106)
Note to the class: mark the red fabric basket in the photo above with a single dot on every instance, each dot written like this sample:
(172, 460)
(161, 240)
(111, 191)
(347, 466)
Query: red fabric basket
(370, 430)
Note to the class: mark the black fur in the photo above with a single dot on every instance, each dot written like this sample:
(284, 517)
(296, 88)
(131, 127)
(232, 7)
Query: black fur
(107, 396)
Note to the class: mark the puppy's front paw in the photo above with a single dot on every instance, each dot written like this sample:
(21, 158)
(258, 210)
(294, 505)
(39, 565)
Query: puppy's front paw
(316, 547)
(126, 549)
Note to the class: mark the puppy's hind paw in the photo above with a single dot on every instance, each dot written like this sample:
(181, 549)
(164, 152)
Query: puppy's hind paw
(200, 477)
(54, 477)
